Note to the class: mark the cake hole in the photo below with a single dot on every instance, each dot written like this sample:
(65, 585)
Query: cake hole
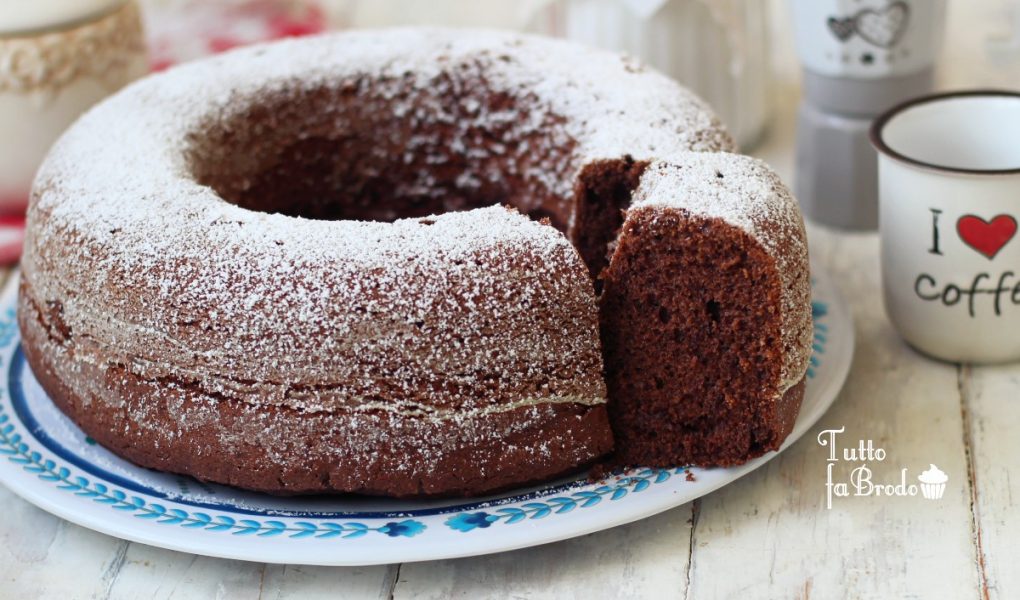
(664, 316)
(712, 308)
(372, 149)
(719, 174)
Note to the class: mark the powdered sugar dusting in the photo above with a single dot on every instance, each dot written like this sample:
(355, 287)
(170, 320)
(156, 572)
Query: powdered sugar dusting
(611, 106)
(368, 310)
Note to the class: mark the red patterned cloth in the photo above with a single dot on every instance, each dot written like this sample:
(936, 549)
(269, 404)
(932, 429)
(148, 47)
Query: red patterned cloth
(12, 235)
(184, 30)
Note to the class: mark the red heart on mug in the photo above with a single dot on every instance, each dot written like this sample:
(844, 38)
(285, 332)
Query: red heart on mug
(987, 237)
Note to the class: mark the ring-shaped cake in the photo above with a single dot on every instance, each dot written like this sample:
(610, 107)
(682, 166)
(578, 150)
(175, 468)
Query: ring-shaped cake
(413, 262)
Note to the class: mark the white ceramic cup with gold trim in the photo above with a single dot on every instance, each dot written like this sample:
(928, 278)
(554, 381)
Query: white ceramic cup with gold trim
(57, 58)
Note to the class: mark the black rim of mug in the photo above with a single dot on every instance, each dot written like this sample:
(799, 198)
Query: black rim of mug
(879, 124)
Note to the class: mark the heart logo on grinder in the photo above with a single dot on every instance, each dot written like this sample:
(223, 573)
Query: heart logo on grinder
(841, 28)
(883, 28)
(987, 237)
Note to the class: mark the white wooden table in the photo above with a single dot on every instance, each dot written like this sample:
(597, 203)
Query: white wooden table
(768, 535)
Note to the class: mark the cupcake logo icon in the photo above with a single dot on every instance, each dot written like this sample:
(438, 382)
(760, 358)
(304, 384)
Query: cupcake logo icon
(933, 483)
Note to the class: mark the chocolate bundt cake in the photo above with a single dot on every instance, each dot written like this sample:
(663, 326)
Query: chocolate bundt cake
(381, 262)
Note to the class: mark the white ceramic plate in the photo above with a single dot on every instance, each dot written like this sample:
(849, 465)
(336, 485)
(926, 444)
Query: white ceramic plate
(47, 460)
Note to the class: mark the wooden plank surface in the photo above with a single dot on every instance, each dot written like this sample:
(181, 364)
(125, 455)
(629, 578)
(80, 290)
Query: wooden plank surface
(149, 572)
(646, 559)
(42, 556)
(992, 428)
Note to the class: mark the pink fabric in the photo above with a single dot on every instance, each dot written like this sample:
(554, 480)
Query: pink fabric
(184, 31)
(12, 235)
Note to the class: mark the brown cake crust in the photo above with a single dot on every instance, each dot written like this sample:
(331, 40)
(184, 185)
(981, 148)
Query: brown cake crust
(283, 450)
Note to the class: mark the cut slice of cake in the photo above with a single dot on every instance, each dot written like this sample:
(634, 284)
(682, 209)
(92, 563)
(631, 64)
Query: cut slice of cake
(705, 314)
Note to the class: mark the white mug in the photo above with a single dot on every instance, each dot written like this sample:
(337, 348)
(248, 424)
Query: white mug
(949, 208)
